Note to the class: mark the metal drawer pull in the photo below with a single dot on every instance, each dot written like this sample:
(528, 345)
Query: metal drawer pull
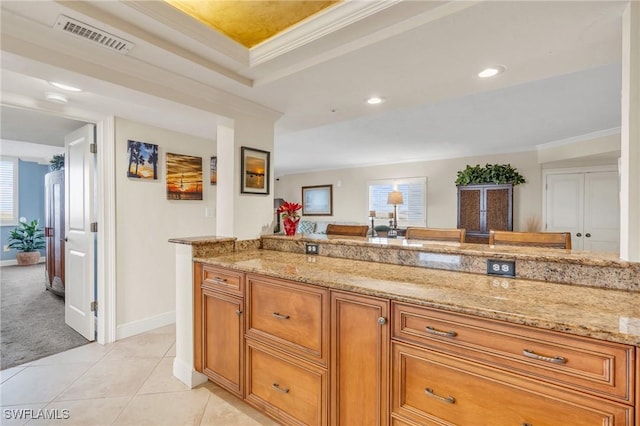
(279, 389)
(526, 424)
(277, 315)
(432, 330)
(219, 280)
(555, 359)
(448, 400)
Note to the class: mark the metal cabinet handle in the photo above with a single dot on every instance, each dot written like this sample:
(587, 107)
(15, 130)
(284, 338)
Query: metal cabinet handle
(382, 320)
(556, 359)
(526, 424)
(587, 235)
(219, 280)
(579, 234)
(432, 394)
(277, 387)
(432, 330)
(277, 315)
(238, 312)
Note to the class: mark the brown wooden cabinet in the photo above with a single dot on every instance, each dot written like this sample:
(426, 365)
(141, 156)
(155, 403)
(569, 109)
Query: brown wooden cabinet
(287, 346)
(54, 230)
(219, 325)
(484, 207)
(432, 388)
(359, 360)
(451, 368)
(306, 355)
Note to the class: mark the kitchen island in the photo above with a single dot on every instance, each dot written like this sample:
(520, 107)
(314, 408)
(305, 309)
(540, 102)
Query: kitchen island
(431, 306)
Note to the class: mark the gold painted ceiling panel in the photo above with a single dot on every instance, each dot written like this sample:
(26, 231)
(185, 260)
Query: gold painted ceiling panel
(250, 22)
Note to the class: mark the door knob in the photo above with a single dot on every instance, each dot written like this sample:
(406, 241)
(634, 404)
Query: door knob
(578, 234)
(587, 235)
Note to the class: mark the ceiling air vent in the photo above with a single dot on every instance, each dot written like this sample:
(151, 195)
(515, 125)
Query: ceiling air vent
(93, 34)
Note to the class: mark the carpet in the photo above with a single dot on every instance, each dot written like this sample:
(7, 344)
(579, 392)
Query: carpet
(31, 318)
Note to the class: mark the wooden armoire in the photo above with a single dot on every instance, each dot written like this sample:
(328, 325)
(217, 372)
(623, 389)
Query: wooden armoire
(484, 207)
(54, 230)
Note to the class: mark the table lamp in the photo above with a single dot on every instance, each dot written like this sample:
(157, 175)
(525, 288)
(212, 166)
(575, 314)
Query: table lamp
(395, 198)
(277, 202)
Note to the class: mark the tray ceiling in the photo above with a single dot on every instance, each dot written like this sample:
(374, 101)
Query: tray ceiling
(250, 22)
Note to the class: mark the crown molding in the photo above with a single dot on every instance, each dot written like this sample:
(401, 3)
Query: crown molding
(317, 26)
(579, 138)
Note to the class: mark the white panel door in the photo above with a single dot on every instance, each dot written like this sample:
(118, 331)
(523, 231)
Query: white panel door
(79, 248)
(565, 205)
(601, 212)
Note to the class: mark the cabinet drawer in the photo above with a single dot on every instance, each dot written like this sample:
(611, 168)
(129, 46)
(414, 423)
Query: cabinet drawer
(291, 315)
(222, 279)
(434, 389)
(598, 367)
(291, 390)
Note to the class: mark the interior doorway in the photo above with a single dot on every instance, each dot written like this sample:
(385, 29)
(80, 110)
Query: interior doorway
(33, 318)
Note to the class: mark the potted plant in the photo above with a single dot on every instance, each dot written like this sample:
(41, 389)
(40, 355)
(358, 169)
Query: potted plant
(290, 217)
(27, 238)
(57, 162)
(490, 173)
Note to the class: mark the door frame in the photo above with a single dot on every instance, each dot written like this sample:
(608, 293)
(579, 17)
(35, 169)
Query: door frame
(567, 170)
(106, 218)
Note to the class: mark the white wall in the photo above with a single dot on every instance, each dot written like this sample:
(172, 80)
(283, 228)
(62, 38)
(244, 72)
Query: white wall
(350, 199)
(145, 220)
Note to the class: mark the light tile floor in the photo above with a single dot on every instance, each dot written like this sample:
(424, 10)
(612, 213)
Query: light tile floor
(129, 382)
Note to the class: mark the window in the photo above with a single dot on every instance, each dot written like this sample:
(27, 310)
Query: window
(413, 212)
(8, 191)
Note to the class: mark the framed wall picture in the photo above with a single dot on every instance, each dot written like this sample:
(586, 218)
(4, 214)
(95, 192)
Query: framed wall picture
(317, 200)
(254, 171)
(184, 177)
(213, 166)
(143, 160)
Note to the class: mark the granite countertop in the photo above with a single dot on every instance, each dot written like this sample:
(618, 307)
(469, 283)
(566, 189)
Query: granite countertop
(482, 250)
(194, 241)
(606, 314)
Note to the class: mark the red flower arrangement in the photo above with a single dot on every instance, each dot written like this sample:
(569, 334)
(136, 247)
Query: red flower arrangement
(290, 217)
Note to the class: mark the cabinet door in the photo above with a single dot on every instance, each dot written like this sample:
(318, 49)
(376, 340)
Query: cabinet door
(434, 389)
(359, 360)
(222, 346)
(498, 208)
(469, 209)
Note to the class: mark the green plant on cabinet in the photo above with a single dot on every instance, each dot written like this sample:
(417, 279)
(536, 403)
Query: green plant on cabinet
(490, 173)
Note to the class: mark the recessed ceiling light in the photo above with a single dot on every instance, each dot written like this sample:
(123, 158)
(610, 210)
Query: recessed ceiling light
(65, 86)
(492, 71)
(375, 100)
(56, 98)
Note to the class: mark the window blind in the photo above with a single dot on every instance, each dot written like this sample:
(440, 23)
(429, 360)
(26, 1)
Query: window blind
(413, 212)
(8, 190)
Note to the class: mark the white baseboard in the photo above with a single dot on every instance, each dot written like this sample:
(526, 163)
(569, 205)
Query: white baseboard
(187, 375)
(147, 324)
(12, 262)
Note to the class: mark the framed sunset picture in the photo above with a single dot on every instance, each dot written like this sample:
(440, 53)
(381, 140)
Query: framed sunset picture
(184, 177)
(254, 171)
(143, 160)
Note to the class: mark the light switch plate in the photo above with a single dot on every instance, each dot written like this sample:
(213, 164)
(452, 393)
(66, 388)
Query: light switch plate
(505, 268)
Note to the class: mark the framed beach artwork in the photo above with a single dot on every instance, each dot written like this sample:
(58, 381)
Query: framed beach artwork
(213, 167)
(317, 200)
(143, 160)
(184, 177)
(254, 171)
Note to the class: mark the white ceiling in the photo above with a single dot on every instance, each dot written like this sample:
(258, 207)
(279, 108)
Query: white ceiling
(562, 79)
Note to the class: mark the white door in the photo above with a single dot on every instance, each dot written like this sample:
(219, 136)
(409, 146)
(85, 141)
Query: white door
(79, 247)
(601, 212)
(585, 204)
(565, 205)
